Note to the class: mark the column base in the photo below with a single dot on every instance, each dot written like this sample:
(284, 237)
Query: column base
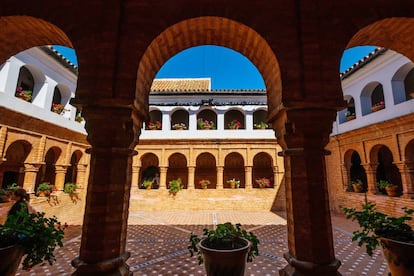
(303, 268)
(112, 267)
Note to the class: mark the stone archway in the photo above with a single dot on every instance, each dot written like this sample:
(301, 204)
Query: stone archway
(262, 167)
(177, 168)
(234, 168)
(206, 169)
(12, 167)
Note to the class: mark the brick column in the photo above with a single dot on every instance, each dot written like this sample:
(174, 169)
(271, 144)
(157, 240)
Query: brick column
(346, 175)
(60, 177)
(163, 178)
(81, 176)
(191, 171)
(30, 174)
(248, 177)
(111, 135)
(407, 176)
(220, 170)
(371, 171)
(310, 240)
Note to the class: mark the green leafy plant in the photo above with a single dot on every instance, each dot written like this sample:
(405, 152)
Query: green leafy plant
(45, 188)
(36, 234)
(235, 181)
(375, 224)
(204, 183)
(382, 184)
(225, 236)
(147, 183)
(4, 195)
(70, 188)
(261, 125)
(176, 185)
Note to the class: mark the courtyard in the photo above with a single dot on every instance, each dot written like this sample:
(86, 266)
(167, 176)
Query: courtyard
(158, 241)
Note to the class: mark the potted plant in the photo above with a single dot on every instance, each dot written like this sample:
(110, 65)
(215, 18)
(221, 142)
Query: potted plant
(393, 234)
(205, 124)
(154, 125)
(44, 189)
(25, 95)
(224, 250)
(4, 196)
(31, 235)
(58, 108)
(179, 126)
(378, 106)
(204, 183)
(357, 185)
(234, 124)
(350, 115)
(390, 189)
(263, 182)
(261, 125)
(176, 185)
(147, 184)
(79, 118)
(234, 183)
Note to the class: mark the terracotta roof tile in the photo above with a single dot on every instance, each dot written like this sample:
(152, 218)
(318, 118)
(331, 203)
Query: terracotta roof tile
(191, 85)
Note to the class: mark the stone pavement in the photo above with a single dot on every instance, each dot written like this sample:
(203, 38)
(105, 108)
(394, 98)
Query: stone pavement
(158, 244)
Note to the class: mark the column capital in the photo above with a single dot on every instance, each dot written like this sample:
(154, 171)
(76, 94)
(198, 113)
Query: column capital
(111, 126)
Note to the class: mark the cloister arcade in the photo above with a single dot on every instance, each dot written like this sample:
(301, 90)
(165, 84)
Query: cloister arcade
(121, 45)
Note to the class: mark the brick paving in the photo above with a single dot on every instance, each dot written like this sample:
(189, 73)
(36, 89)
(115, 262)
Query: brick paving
(158, 244)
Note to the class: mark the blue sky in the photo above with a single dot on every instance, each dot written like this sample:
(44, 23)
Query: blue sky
(226, 68)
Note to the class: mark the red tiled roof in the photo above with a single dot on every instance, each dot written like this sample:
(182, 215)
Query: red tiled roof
(191, 85)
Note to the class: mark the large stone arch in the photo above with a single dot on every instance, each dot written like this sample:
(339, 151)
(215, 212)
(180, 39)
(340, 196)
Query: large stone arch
(209, 30)
(206, 169)
(12, 166)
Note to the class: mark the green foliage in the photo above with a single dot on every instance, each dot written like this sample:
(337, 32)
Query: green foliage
(382, 184)
(45, 187)
(225, 235)
(36, 234)
(375, 224)
(70, 188)
(175, 186)
(146, 183)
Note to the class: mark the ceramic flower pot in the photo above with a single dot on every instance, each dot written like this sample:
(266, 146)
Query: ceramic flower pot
(399, 256)
(219, 262)
(392, 190)
(10, 258)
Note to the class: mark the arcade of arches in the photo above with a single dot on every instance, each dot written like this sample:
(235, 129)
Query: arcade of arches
(121, 45)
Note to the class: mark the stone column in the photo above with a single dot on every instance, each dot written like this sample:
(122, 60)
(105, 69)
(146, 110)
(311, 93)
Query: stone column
(220, 170)
(60, 171)
(111, 135)
(310, 241)
(135, 176)
(30, 174)
(81, 176)
(407, 176)
(371, 171)
(191, 171)
(248, 177)
(275, 177)
(163, 177)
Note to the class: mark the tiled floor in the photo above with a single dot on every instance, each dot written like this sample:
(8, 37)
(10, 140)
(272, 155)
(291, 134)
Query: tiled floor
(158, 244)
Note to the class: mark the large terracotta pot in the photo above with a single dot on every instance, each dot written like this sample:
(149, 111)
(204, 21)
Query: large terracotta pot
(392, 190)
(10, 258)
(399, 256)
(225, 262)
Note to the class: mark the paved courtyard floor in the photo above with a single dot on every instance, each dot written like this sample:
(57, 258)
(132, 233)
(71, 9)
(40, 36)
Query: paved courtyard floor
(158, 244)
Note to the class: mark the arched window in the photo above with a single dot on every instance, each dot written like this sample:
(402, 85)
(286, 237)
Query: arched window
(262, 170)
(25, 85)
(149, 171)
(206, 119)
(179, 120)
(57, 105)
(234, 119)
(234, 169)
(155, 120)
(377, 98)
(259, 119)
(177, 168)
